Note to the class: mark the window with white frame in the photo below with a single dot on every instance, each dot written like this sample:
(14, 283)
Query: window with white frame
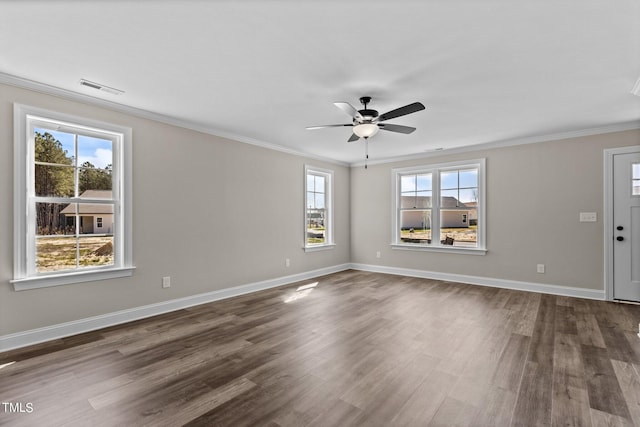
(318, 201)
(440, 207)
(72, 199)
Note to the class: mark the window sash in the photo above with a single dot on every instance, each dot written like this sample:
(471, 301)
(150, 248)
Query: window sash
(26, 121)
(400, 175)
(318, 184)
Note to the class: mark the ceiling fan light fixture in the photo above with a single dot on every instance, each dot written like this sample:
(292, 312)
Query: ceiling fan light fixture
(365, 130)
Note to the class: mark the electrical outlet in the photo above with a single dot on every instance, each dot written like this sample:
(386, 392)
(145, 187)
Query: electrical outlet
(540, 268)
(377, 254)
(166, 282)
(287, 262)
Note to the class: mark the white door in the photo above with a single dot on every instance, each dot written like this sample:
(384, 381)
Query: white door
(626, 227)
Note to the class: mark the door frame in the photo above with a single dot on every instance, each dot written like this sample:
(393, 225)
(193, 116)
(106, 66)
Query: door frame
(609, 155)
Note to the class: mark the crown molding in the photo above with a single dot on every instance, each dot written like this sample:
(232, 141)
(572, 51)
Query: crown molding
(35, 86)
(616, 127)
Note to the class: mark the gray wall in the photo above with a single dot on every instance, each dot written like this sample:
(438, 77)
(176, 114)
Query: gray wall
(535, 193)
(209, 212)
(251, 200)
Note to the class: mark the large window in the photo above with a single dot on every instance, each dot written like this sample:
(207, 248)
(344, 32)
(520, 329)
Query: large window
(72, 199)
(318, 208)
(440, 207)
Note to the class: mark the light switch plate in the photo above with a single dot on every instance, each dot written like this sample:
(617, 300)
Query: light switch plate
(588, 216)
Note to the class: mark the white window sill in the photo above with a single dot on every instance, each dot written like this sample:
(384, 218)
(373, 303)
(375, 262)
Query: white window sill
(37, 282)
(443, 249)
(316, 248)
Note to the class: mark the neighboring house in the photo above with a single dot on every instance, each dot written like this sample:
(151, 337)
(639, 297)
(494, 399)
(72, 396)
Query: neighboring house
(95, 218)
(457, 217)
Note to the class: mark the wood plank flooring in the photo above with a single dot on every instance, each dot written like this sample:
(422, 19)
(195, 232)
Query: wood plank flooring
(355, 349)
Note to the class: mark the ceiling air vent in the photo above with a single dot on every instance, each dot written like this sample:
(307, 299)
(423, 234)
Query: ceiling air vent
(101, 87)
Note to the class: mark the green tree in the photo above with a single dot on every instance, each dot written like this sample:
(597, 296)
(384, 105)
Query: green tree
(92, 178)
(53, 178)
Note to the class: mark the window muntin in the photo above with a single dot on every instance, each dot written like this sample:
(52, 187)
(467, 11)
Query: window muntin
(442, 200)
(318, 210)
(70, 172)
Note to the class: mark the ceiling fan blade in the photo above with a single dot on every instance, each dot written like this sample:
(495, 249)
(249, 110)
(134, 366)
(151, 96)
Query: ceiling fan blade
(353, 138)
(396, 128)
(349, 109)
(326, 126)
(402, 111)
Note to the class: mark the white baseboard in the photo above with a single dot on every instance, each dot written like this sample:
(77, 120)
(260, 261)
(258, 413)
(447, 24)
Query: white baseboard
(48, 333)
(486, 281)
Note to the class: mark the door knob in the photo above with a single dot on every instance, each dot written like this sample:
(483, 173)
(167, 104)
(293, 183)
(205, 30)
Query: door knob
(619, 228)
(619, 238)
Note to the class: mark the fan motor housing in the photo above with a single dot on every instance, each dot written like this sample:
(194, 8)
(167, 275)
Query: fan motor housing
(368, 114)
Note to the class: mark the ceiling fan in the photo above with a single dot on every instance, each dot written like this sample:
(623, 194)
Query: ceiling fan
(366, 122)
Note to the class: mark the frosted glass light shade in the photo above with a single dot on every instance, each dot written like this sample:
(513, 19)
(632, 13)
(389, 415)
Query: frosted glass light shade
(365, 130)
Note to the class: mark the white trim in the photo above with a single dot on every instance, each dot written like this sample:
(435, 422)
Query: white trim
(61, 330)
(441, 249)
(486, 281)
(434, 169)
(609, 155)
(614, 127)
(328, 191)
(316, 248)
(137, 112)
(38, 282)
(24, 275)
(48, 333)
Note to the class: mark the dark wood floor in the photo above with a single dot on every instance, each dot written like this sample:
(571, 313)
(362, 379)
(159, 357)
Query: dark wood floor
(357, 349)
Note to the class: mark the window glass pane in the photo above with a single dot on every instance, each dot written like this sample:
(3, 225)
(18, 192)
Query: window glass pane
(449, 198)
(408, 200)
(310, 183)
(311, 200)
(407, 183)
(635, 170)
(319, 184)
(95, 151)
(423, 182)
(468, 195)
(449, 180)
(53, 218)
(94, 183)
(468, 178)
(455, 228)
(319, 201)
(415, 226)
(95, 251)
(54, 147)
(316, 232)
(423, 199)
(53, 181)
(55, 253)
(635, 184)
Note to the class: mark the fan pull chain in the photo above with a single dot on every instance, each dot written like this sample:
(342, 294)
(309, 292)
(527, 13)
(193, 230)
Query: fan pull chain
(366, 152)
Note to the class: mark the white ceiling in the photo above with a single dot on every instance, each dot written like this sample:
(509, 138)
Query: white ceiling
(261, 71)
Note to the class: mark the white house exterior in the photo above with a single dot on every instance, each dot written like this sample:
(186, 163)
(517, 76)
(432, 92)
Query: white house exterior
(95, 218)
(454, 214)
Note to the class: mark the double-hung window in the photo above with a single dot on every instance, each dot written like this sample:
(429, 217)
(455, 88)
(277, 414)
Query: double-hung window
(72, 200)
(318, 202)
(440, 207)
